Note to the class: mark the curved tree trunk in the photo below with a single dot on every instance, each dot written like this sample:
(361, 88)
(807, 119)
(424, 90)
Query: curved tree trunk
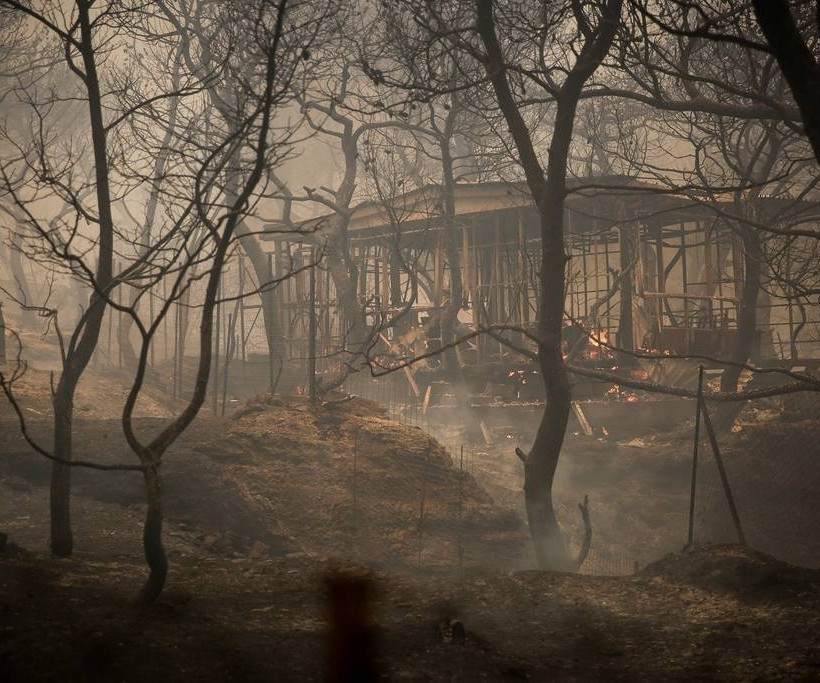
(151, 455)
(84, 339)
(549, 194)
(62, 540)
(2, 335)
(540, 466)
(23, 291)
(152, 538)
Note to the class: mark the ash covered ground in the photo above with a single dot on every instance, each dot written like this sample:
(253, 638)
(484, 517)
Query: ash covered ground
(264, 506)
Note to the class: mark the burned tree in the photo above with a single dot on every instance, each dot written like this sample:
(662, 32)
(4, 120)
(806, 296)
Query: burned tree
(201, 29)
(548, 191)
(207, 226)
(791, 34)
(491, 38)
(77, 36)
(196, 229)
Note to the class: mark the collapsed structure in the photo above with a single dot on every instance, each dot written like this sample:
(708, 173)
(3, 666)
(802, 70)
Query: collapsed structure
(649, 269)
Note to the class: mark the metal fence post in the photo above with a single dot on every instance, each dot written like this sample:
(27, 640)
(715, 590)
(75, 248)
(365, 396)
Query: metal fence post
(722, 470)
(691, 535)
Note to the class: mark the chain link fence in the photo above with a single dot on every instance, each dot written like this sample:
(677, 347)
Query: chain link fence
(413, 506)
(771, 461)
(772, 466)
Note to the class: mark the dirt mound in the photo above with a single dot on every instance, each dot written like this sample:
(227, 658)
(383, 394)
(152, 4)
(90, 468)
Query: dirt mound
(341, 479)
(289, 479)
(732, 569)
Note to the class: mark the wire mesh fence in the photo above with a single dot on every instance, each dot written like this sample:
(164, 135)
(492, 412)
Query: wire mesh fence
(457, 531)
(771, 460)
(415, 507)
(772, 467)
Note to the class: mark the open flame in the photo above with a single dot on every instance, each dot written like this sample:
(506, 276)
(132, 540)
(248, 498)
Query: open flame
(622, 394)
(599, 339)
(598, 346)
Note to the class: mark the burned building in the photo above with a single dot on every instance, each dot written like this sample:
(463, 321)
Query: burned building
(648, 269)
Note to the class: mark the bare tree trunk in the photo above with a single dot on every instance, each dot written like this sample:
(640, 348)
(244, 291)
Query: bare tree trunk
(84, 339)
(62, 539)
(259, 261)
(549, 194)
(2, 335)
(152, 545)
(23, 291)
(150, 455)
(449, 320)
(540, 466)
(626, 333)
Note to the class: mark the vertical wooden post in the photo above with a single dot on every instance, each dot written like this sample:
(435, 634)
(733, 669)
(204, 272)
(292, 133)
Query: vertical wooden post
(595, 241)
(460, 512)
(607, 234)
(472, 267)
(438, 270)
(688, 332)
(385, 284)
(737, 265)
(525, 291)
(242, 304)
(709, 263)
(466, 262)
(626, 333)
(262, 303)
(229, 346)
(177, 390)
(164, 323)
(328, 336)
(151, 314)
(498, 269)
(119, 317)
(108, 346)
(378, 290)
(661, 275)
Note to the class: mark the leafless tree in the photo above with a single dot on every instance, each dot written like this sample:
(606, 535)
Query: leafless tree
(792, 30)
(78, 36)
(213, 183)
(514, 51)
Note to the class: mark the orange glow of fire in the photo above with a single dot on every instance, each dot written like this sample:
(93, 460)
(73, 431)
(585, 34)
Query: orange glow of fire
(599, 339)
(622, 394)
